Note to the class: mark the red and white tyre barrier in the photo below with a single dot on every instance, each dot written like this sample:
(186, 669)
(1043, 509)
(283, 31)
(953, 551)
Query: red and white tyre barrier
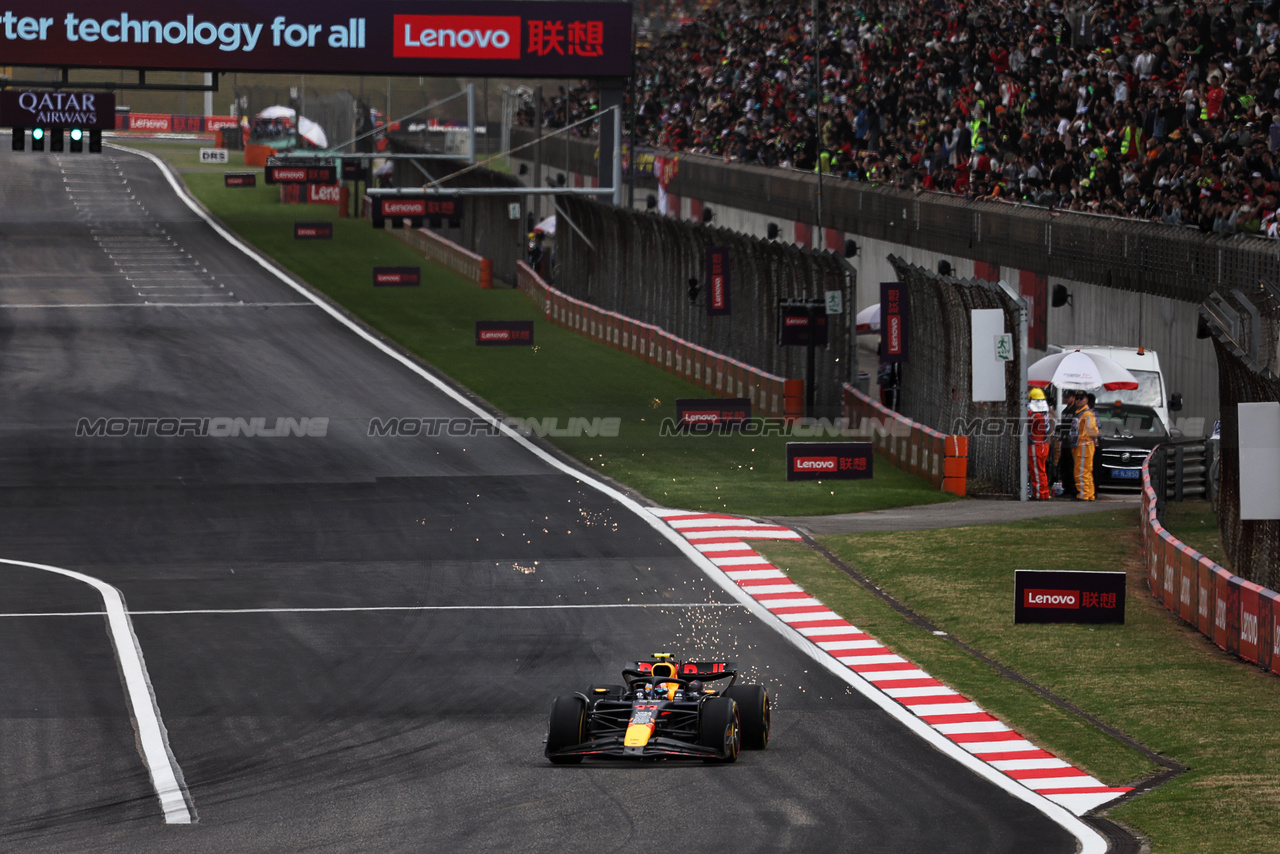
(722, 539)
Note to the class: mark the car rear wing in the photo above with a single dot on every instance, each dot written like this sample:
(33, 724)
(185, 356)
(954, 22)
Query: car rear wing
(702, 670)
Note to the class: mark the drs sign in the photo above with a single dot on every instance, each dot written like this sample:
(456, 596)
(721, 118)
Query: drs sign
(1064, 596)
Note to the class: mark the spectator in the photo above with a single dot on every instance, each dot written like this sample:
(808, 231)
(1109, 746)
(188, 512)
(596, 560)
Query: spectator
(1039, 82)
(1064, 451)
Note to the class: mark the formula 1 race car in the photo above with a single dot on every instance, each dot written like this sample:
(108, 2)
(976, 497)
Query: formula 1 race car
(664, 710)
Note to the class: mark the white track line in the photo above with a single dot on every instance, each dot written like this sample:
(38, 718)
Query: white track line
(376, 608)
(1091, 842)
(236, 304)
(153, 738)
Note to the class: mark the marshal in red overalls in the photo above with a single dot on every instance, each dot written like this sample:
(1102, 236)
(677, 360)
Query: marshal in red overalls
(1038, 445)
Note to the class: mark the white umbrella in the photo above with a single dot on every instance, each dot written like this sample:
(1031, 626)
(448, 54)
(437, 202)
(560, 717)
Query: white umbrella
(312, 132)
(1080, 370)
(277, 112)
(547, 226)
(868, 320)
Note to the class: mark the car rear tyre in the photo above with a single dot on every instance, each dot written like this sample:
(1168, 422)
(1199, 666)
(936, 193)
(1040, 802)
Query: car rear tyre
(567, 728)
(719, 728)
(754, 714)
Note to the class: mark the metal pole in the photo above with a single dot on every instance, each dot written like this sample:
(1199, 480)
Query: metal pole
(537, 154)
(471, 123)
(810, 358)
(617, 156)
(817, 68)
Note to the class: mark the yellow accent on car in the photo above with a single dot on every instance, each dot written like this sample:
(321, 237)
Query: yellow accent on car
(637, 735)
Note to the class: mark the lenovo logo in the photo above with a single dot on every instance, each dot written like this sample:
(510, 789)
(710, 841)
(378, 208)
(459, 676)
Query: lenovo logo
(414, 208)
(457, 36)
(1051, 598)
(495, 335)
(792, 320)
(701, 417)
(285, 175)
(814, 464)
(148, 123)
(326, 194)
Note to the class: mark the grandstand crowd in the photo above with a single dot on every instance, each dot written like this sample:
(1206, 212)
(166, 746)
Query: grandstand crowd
(1169, 113)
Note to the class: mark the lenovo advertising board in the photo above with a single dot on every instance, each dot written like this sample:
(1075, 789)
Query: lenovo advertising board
(396, 209)
(718, 280)
(504, 333)
(240, 179)
(829, 460)
(397, 277)
(893, 322)
(475, 39)
(302, 174)
(702, 415)
(1068, 596)
(313, 231)
(793, 324)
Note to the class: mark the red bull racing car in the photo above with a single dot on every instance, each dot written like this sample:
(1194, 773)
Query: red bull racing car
(665, 709)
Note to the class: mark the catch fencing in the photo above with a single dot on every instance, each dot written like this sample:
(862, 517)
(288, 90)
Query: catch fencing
(935, 385)
(486, 226)
(715, 372)
(651, 262)
(1248, 362)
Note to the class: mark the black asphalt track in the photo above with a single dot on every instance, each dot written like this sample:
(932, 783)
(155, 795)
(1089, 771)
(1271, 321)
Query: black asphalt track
(354, 641)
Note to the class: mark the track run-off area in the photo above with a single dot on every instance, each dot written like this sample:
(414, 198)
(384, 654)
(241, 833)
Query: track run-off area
(330, 641)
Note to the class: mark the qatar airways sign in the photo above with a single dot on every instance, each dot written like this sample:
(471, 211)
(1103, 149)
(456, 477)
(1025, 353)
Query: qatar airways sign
(1068, 596)
(506, 38)
(28, 109)
(829, 460)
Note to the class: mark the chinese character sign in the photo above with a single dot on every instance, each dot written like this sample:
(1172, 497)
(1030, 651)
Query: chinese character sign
(1063, 596)
(718, 280)
(893, 322)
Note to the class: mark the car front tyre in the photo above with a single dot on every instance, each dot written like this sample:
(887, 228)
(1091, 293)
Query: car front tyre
(720, 729)
(755, 714)
(567, 728)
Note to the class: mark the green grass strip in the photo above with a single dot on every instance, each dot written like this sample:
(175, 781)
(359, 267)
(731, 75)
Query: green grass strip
(564, 376)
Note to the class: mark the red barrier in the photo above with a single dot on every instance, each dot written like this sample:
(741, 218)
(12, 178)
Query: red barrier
(940, 459)
(1205, 601)
(460, 260)
(1269, 638)
(1250, 613)
(1237, 615)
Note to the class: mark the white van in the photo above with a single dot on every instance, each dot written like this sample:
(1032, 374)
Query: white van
(1144, 364)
